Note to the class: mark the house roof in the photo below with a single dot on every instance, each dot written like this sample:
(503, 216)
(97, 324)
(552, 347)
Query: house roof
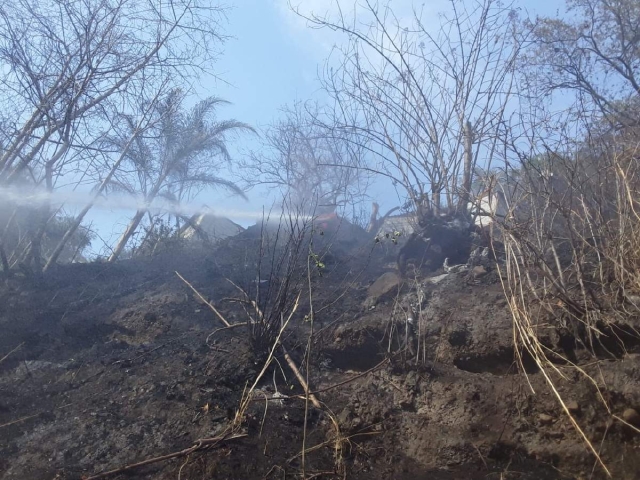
(211, 228)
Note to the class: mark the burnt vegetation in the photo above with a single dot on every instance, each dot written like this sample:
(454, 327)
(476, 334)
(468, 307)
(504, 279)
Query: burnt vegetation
(486, 326)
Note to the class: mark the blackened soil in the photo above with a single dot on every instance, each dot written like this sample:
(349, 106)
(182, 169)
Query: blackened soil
(109, 365)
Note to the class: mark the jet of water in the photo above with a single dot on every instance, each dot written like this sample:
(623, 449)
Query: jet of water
(38, 197)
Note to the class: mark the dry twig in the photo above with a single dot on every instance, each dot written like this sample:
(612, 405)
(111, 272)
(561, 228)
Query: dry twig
(213, 309)
(12, 351)
(198, 445)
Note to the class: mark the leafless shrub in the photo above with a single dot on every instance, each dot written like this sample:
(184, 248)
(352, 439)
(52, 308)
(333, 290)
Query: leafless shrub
(311, 165)
(280, 274)
(16, 226)
(572, 224)
(577, 226)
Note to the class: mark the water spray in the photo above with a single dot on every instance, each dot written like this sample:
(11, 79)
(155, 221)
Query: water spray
(34, 198)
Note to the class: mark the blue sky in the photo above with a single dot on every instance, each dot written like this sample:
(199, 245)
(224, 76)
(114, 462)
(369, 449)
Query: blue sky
(270, 61)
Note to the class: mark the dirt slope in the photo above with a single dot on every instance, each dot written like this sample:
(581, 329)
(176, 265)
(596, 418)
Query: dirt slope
(114, 367)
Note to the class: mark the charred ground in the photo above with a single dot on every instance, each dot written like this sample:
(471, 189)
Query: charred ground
(111, 364)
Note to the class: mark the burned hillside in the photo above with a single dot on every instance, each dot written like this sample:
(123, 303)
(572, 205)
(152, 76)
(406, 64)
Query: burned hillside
(376, 241)
(112, 365)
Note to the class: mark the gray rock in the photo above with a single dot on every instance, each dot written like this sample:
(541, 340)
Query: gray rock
(385, 284)
(479, 271)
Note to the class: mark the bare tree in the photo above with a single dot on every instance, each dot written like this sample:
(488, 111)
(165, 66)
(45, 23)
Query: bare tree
(71, 67)
(179, 152)
(594, 53)
(575, 205)
(429, 106)
(311, 166)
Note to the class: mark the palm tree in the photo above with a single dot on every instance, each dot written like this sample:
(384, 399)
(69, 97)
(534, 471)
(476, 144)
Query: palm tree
(177, 158)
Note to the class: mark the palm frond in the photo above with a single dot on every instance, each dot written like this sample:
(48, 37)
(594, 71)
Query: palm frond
(215, 182)
(179, 148)
(220, 128)
(201, 111)
(118, 186)
(168, 195)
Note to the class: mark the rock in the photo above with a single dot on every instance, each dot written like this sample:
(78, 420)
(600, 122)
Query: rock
(344, 416)
(437, 279)
(384, 284)
(573, 406)
(370, 303)
(355, 423)
(479, 271)
(454, 268)
(348, 420)
(631, 415)
(545, 419)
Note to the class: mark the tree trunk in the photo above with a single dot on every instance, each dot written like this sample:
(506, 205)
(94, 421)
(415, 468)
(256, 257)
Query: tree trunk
(465, 191)
(135, 221)
(131, 228)
(436, 193)
(374, 218)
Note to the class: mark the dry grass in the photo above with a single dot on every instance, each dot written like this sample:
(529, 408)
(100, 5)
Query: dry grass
(572, 248)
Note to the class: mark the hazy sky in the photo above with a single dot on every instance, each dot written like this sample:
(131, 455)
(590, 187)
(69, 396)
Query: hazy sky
(272, 60)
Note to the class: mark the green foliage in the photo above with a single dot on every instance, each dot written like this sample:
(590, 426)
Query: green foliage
(317, 261)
